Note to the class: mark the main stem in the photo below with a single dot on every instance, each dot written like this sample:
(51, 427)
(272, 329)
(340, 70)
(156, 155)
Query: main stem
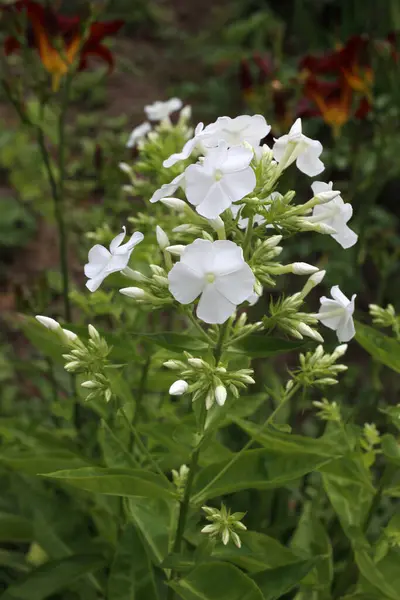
(194, 461)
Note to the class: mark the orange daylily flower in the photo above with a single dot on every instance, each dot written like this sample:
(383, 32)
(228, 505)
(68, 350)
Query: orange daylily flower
(333, 101)
(59, 40)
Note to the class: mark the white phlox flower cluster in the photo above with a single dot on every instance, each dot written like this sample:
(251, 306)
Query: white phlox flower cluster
(157, 112)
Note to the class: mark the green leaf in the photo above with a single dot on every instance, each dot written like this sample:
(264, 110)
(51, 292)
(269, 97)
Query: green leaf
(13, 560)
(217, 581)
(374, 576)
(116, 482)
(175, 342)
(114, 452)
(32, 463)
(382, 348)
(259, 345)
(14, 528)
(153, 518)
(258, 469)
(131, 576)
(391, 448)
(274, 583)
(258, 552)
(52, 577)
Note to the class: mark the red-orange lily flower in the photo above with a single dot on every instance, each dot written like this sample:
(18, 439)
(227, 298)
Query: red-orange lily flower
(350, 61)
(59, 40)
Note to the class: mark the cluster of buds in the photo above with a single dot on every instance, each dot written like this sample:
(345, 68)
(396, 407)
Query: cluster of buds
(207, 381)
(328, 411)
(179, 478)
(153, 291)
(91, 360)
(385, 317)
(369, 441)
(225, 524)
(319, 368)
(285, 312)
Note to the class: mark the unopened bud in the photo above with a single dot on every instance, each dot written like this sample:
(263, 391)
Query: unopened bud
(178, 388)
(220, 394)
(125, 168)
(134, 275)
(172, 364)
(174, 203)
(209, 400)
(272, 241)
(176, 250)
(184, 228)
(196, 363)
(70, 335)
(90, 385)
(309, 332)
(162, 238)
(327, 381)
(47, 322)
(339, 351)
(325, 229)
(316, 278)
(302, 268)
(133, 292)
(93, 333)
(217, 224)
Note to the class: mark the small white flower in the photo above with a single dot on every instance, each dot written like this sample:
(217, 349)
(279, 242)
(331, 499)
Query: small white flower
(162, 110)
(178, 388)
(335, 214)
(215, 271)
(138, 133)
(162, 238)
(103, 262)
(297, 147)
(235, 132)
(337, 314)
(224, 176)
(167, 189)
(48, 322)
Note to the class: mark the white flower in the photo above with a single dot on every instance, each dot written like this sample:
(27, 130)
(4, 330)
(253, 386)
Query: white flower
(337, 314)
(137, 134)
(215, 271)
(48, 322)
(178, 388)
(297, 147)
(167, 189)
(161, 110)
(335, 214)
(223, 177)
(103, 262)
(245, 128)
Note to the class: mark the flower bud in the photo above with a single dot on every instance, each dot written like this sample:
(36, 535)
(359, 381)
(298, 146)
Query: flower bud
(327, 196)
(174, 203)
(184, 228)
(186, 113)
(311, 333)
(90, 385)
(272, 241)
(339, 351)
(176, 250)
(173, 364)
(220, 394)
(48, 322)
(327, 381)
(325, 229)
(93, 333)
(196, 363)
(134, 275)
(178, 388)
(302, 268)
(128, 189)
(133, 292)
(162, 238)
(125, 168)
(209, 400)
(70, 335)
(217, 224)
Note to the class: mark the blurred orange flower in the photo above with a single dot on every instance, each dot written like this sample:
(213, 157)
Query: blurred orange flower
(60, 40)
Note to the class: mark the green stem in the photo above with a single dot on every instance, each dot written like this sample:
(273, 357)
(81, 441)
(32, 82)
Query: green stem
(193, 465)
(198, 497)
(141, 390)
(247, 239)
(199, 327)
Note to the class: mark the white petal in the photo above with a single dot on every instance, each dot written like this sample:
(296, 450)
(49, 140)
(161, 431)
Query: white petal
(184, 283)
(199, 256)
(117, 262)
(228, 257)
(238, 185)
(116, 242)
(215, 202)
(138, 133)
(186, 150)
(320, 186)
(198, 184)
(95, 283)
(98, 258)
(338, 295)
(309, 163)
(214, 308)
(237, 286)
(236, 159)
(279, 147)
(346, 237)
(296, 129)
(167, 189)
(135, 239)
(346, 331)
